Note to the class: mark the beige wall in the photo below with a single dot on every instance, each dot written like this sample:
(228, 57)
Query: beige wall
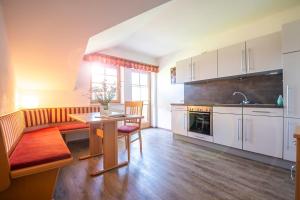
(167, 93)
(7, 83)
(47, 40)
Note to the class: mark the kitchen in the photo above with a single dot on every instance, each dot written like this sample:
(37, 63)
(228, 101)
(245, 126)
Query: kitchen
(243, 99)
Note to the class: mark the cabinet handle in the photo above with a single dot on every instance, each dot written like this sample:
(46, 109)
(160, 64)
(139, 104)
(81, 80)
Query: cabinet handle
(287, 99)
(288, 136)
(293, 169)
(193, 71)
(239, 128)
(242, 60)
(248, 59)
(184, 121)
(259, 111)
(246, 130)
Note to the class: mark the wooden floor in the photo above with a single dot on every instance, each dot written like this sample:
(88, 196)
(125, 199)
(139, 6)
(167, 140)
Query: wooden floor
(172, 169)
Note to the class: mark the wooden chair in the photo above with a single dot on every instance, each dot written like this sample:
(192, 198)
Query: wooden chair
(131, 127)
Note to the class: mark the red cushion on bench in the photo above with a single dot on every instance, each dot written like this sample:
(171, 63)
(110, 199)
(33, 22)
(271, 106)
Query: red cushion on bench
(39, 147)
(127, 129)
(71, 126)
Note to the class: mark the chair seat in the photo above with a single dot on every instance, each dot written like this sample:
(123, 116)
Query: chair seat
(39, 147)
(72, 126)
(127, 129)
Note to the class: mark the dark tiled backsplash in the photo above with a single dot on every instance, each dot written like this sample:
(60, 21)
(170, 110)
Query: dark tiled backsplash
(262, 89)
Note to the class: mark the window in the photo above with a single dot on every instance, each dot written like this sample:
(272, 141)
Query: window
(109, 74)
(140, 91)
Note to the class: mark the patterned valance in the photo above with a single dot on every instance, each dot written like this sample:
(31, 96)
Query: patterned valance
(121, 62)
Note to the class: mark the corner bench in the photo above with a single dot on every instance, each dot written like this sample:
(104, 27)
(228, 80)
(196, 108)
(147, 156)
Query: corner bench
(32, 150)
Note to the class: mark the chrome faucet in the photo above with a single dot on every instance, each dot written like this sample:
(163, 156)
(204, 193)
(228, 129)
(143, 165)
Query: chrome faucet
(245, 101)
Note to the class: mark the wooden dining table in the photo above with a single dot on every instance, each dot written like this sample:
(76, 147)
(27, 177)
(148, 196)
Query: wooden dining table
(103, 137)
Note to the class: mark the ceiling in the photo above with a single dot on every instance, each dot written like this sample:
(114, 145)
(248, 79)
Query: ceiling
(180, 23)
(47, 39)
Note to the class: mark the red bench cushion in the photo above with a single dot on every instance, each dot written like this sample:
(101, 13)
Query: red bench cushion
(71, 126)
(39, 147)
(127, 128)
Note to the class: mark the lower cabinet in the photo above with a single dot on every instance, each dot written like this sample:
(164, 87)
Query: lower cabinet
(289, 150)
(228, 130)
(263, 134)
(179, 120)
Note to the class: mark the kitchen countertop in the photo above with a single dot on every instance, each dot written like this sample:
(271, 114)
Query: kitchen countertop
(231, 105)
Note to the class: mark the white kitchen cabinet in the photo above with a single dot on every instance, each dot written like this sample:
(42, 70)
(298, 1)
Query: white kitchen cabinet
(228, 130)
(290, 37)
(232, 60)
(179, 120)
(205, 66)
(291, 84)
(264, 53)
(289, 150)
(184, 70)
(263, 134)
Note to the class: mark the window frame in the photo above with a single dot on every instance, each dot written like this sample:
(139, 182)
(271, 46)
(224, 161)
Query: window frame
(118, 87)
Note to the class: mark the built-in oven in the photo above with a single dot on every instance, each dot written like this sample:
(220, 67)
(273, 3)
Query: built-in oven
(200, 122)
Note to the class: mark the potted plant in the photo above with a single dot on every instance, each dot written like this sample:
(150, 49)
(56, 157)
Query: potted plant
(104, 94)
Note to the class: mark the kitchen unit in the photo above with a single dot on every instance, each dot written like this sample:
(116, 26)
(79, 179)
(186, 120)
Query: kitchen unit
(179, 120)
(263, 131)
(201, 67)
(253, 129)
(291, 86)
(205, 66)
(228, 126)
(232, 60)
(261, 54)
(184, 71)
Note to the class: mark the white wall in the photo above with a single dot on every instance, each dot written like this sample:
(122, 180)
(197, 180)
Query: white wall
(167, 93)
(7, 82)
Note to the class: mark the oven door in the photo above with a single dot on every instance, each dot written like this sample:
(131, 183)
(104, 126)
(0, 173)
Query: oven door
(200, 122)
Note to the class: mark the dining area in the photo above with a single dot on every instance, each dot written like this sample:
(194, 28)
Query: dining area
(104, 134)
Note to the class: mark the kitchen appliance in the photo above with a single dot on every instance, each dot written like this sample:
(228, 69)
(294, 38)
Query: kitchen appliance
(200, 122)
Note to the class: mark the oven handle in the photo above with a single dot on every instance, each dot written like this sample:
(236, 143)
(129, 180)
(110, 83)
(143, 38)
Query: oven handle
(201, 113)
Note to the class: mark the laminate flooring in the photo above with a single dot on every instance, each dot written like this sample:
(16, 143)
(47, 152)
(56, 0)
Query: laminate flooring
(172, 169)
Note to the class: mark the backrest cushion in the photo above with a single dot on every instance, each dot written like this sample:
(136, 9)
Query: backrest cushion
(36, 117)
(60, 115)
(11, 128)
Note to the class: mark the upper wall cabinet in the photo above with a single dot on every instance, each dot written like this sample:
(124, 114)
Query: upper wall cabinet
(205, 66)
(264, 53)
(232, 60)
(290, 37)
(184, 71)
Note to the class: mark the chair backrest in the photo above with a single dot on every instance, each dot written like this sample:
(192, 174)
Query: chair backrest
(11, 130)
(36, 117)
(39, 117)
(60, 115)
(134, 108)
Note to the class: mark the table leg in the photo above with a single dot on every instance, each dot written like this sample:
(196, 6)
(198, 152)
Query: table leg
(95, 143)
(110, 148)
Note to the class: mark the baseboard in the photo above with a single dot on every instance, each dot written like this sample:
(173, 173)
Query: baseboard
(241, 153)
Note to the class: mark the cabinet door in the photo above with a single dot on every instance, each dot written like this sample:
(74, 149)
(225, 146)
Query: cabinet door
(205, 66)
(290, 37)
(228, 130)
(184, 71)
(179, 122)
(263, 134)
(289, 150)
(232, 60)
(291, 71)
(264, 53)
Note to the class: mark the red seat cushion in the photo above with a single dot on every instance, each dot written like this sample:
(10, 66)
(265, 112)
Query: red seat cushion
(127, 128)
(71, 126)
(39, 147)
